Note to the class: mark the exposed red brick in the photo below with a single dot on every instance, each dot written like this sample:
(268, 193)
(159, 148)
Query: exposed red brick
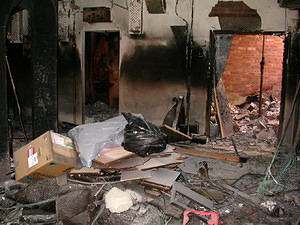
(242, 72)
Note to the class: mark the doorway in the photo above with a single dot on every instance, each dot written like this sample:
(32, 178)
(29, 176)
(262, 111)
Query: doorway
(19, 80)
(248, 78)
(102, 75)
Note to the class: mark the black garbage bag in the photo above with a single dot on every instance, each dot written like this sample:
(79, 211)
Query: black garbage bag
(142, 137)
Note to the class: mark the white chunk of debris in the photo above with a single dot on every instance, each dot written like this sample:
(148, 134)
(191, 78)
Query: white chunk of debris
(118, 201)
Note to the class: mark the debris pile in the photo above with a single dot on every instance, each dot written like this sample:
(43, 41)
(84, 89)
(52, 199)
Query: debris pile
(99, 111)
(180, 182)
(247, 118)
(255, 134)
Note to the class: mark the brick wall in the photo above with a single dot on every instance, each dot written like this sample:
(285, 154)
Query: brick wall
(241, 76)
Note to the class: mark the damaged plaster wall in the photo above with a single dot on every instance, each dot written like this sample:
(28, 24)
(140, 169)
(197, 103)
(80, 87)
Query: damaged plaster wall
(150, 70)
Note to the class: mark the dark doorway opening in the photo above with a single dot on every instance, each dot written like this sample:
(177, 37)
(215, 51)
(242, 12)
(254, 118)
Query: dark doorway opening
(19, 98)
(102, 76)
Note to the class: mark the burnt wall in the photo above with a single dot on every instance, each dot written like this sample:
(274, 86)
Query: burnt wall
(6, 8)
(69, 79)
(153, 75)
(44, 60)
(291, 82)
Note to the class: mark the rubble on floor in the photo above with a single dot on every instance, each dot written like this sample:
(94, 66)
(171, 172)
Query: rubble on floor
(98, 112)
(255, 135)
(210, 183)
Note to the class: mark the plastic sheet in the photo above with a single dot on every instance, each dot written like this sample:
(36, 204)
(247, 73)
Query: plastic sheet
(142, 137)
(96, 138)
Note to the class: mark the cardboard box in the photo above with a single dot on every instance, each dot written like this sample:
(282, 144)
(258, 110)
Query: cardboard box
(50, 155)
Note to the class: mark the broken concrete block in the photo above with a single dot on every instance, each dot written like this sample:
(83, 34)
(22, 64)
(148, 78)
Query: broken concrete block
(11, 187)
(6, 202)
(139, 214)
(252, 107)
(118, 201)
(38, 191)
(81, 219)
(72, 204)
(240, 116)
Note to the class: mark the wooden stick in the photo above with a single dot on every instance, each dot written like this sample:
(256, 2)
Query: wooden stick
(211, 155)
(178, 132)
(17, 99)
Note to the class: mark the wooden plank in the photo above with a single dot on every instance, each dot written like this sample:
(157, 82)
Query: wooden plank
(135, 175)
(178, 187)
(152, 185)
(113, 156)
(163, 176)
(223, 111)
(175, 135)
(129, 163)
(250, 198)
(210, 155)
(190, 166)
(177, 132)
(85, 170)
(152, 192)
(160, 162)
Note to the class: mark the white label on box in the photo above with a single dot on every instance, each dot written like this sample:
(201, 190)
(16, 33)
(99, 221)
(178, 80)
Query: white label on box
(32, 157)
(59, 140)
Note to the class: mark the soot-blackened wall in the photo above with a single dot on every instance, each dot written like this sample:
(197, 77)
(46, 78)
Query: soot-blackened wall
(44, 59)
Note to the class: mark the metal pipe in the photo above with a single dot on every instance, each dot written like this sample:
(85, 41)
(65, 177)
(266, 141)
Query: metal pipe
(189, 70)
(262, 65)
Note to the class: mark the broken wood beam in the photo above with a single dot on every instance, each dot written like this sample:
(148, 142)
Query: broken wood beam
(245, 196)
(211, 155)
(178, 187)
(152, 185)
(223, 111)
(135, 175)
(175, 135)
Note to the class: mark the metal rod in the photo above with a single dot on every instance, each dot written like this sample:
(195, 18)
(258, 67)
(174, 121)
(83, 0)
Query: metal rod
(235, 149)
(262, 65)
(16, 97)
(189, 70)
(102, 207)
(100, 189)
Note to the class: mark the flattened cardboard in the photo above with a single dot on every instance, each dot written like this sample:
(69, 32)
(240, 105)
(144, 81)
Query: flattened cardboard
(50, 155)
